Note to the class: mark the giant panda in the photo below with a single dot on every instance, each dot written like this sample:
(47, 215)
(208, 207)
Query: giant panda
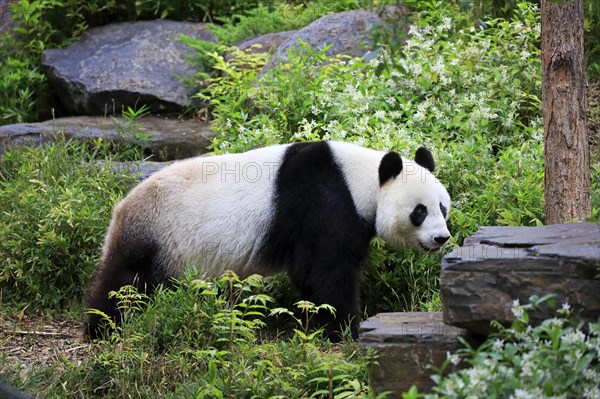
(309, 209)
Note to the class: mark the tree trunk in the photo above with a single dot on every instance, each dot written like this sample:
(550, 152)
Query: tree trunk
(566, 147)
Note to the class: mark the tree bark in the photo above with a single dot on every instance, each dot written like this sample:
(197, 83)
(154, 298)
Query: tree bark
(564, 105)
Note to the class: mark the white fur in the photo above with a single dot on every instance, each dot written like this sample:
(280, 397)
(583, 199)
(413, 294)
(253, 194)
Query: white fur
(360, 168)
(213, 212)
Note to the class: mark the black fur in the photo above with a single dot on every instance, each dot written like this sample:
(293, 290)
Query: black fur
(390, 167)
(424, 158)
(418, 215)
(131, 260)
(317, 235)
(443, 210)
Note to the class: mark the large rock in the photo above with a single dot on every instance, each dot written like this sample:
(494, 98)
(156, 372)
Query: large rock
(348, 33)
(266, 43)
(6, 22)
(497, 265)
(125, 64)
(164, 139)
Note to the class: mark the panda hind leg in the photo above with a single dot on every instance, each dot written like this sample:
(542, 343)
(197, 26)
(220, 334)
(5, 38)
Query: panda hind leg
(123, 264)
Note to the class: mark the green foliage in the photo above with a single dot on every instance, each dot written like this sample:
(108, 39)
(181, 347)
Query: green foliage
(553, 359)
(55, 203)
(20, 83)
(53, 21)
(23, 88)
(435, 88)
(400, 280)
(592, 37)
(277, 16)
(270, 111)
(206, 338)
(33, 28)
(309, 310)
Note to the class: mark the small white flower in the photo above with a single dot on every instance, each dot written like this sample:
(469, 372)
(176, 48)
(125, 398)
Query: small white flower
(438, 67)
(520, 394)
(498, 344)
(525, 55)
(517, 310)
(554, 322)
(380, 114)
(573, 337)
(593, 393)
(454, 358)
(416, 69)
(419, 116)
(566, 307)
(414, 31)
(446, 23)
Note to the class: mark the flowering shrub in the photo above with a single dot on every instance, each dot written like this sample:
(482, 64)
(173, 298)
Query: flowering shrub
(552, 360)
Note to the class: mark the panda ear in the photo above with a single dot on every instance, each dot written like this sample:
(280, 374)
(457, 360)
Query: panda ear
(390, 167)
(424, 158)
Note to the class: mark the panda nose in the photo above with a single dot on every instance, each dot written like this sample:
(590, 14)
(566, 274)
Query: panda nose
(441, 239)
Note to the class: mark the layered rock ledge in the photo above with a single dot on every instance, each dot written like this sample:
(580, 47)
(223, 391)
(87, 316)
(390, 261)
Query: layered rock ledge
(497, 265)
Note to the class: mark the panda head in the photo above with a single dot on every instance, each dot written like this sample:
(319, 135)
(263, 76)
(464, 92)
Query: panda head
(412, 205)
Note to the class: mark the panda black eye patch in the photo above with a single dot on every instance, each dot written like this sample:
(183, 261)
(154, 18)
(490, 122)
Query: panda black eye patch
(418, 215)
(443, 209)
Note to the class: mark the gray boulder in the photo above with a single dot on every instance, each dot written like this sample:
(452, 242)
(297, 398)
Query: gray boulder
(125, 64)
(164, 139)
(348, 33)
(268, 43)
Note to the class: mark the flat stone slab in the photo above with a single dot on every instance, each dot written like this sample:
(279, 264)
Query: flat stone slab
(164, 139)
(497, 265)
(406, 344)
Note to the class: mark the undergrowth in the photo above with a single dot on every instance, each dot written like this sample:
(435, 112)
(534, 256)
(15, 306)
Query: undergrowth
(207, 338)
(55, 204)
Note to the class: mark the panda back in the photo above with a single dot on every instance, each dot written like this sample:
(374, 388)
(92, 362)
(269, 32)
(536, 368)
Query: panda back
(212, 212)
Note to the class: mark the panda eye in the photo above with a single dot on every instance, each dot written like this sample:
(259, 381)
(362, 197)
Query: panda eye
(418, 215)
(443, 209)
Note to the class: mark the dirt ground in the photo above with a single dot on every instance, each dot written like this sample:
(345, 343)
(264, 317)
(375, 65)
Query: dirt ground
(40, 341)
